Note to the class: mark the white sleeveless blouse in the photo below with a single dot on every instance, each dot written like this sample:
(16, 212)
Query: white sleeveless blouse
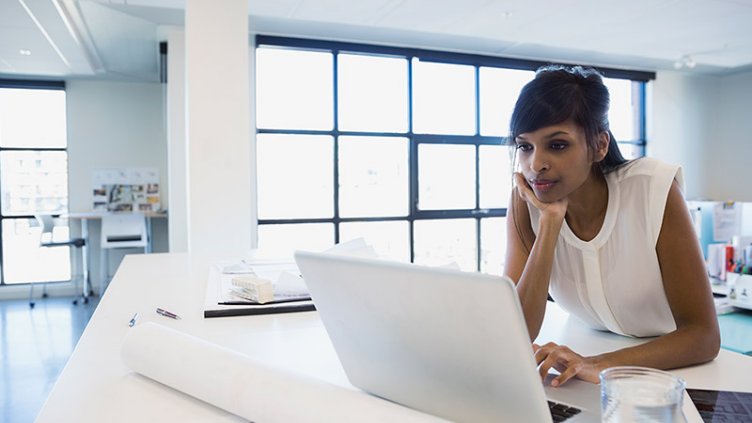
(613, 282)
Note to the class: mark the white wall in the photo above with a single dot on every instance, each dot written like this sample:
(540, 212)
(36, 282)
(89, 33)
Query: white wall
(729, 146)
(114, 125)
(703, 123)
(678, 124)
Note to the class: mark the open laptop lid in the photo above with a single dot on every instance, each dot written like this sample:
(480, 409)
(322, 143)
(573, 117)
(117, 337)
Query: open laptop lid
(450, 343)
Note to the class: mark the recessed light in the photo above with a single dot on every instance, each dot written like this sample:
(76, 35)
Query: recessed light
(24, 52)
(685, 61)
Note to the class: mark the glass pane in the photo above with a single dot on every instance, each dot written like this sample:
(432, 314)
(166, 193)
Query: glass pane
(495, 176)
(22, 254)
(33, 181)
(499, 89)
(630, 151)
(493, 245)
(621, 114)
(294, 89)
(22, 111)
(373, 176)
(443, 98)
(283, 240)
(389, 239)
(372, 93)
(295, 176)
(446, 176)
(446, 241)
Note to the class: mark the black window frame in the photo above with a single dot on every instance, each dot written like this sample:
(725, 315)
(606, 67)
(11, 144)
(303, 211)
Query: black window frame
(415, 140)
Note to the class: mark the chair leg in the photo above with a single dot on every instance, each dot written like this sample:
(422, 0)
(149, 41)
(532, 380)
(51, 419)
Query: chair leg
(84, 271)
(103, 270)
(31, 295)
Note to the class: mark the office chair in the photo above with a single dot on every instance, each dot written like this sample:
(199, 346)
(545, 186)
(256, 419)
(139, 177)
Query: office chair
(47, 224)
(120, 230)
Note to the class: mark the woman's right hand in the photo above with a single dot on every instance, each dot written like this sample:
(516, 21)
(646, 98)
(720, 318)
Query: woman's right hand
(555, 210)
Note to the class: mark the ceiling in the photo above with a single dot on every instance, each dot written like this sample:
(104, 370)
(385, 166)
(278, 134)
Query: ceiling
(118, 39)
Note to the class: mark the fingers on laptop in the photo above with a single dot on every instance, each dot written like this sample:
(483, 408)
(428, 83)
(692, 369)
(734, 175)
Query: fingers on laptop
(561, 358)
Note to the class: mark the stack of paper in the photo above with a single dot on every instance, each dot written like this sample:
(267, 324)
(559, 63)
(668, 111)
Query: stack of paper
(253, 288)
(288, 289)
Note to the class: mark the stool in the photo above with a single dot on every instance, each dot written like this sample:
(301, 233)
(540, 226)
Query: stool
(47, 224)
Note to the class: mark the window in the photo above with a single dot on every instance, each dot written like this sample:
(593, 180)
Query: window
(626, 115)
(33, 179)
(403, 147)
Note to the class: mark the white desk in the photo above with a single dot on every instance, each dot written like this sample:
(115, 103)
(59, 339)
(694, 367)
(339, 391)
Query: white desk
(85, 217)
(96, 386)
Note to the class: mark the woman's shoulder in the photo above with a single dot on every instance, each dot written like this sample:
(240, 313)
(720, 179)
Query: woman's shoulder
(644, 166)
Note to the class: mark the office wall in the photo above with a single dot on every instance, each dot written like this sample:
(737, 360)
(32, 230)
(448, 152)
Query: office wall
(729, 146)
(680, 123)
(114, 125)
(703, 124)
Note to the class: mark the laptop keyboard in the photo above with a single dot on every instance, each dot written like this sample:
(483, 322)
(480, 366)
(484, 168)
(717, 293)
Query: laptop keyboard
(561, 412)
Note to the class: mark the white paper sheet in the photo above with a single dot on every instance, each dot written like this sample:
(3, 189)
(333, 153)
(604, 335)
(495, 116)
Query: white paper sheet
(245, 387)
(727, 221)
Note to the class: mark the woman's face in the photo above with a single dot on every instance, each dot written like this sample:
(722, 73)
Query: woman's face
(555, 160)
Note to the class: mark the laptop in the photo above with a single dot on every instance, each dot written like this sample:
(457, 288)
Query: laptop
(449, 343)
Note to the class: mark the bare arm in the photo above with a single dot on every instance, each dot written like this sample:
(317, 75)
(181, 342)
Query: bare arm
(531, 269)
(696, 338)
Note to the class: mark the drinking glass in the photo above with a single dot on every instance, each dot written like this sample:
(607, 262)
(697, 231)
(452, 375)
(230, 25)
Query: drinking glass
(641, 394)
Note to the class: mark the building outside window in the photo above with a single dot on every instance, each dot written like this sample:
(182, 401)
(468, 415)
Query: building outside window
(405, 148)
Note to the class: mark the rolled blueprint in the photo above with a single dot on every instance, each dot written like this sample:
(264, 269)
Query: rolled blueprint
(243, 386)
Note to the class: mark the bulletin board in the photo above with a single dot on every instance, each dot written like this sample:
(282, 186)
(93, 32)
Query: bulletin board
(128, 189)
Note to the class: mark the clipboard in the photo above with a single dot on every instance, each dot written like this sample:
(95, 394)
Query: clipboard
(213, 308)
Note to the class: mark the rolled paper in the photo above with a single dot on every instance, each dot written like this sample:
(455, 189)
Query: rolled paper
(248, 388)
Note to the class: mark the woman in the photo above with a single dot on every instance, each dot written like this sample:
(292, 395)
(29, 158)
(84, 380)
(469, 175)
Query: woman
(611, 240)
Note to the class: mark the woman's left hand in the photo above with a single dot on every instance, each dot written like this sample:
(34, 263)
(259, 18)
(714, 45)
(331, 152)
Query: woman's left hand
(566, 361)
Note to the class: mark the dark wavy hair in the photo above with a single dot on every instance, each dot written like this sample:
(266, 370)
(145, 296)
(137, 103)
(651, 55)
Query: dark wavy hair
(559, 94)
(562, 93)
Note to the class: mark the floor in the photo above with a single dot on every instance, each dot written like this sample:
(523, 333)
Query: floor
(34, 346)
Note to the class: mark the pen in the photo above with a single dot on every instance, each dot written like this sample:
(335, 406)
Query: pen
(167, 314)
(133, 320)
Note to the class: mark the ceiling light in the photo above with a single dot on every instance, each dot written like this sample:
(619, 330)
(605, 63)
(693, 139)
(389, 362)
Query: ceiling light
(24, 52)
(685, 61)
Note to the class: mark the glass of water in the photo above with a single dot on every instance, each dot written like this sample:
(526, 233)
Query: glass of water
(641, 394)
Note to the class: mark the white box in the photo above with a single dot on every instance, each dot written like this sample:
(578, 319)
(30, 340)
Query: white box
(740, 292)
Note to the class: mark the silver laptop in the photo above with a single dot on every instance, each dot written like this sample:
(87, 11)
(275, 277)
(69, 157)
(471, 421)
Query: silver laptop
(449, 343)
